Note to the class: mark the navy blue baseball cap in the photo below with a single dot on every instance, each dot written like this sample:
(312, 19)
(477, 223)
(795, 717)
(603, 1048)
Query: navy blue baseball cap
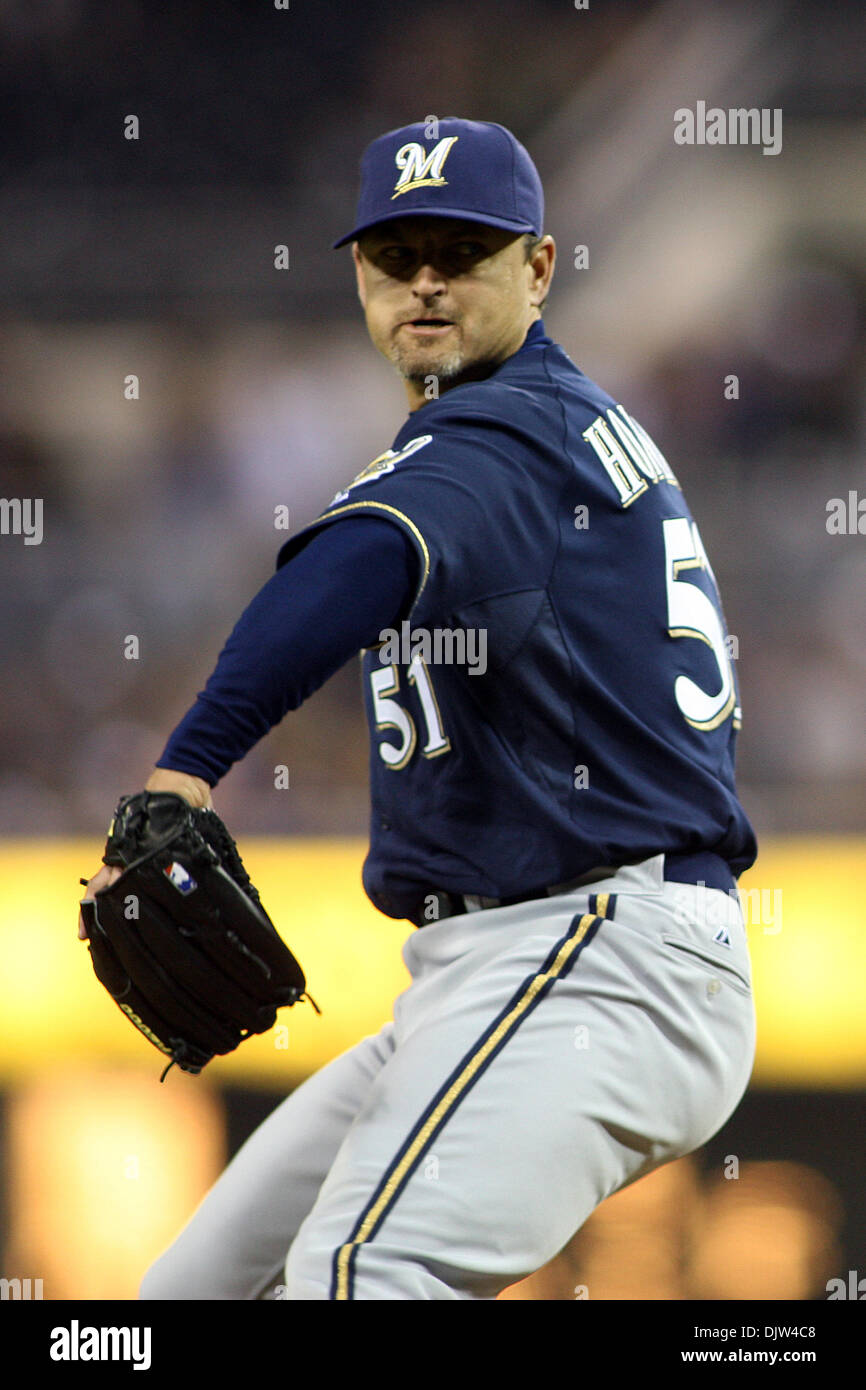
(474, 170)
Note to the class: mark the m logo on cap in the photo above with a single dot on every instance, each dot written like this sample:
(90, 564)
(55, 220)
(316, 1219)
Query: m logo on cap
(421, 170)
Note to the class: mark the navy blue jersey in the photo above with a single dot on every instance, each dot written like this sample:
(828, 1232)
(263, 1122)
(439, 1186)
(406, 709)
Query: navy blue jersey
(560, 695)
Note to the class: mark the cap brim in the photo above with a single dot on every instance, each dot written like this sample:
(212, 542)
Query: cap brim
(460, 214)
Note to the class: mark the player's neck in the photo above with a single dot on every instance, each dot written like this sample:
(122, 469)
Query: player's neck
(421, 390)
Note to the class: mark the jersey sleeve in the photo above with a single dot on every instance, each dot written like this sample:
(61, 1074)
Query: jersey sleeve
(466, 496)
(306, 622)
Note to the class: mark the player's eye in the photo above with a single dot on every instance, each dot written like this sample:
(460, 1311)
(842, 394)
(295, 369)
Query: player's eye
(469, 248)
(464, 254)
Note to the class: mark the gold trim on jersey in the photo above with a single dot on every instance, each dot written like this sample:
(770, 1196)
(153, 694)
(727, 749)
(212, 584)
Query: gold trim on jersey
(394, 511)
(690, 632)
(708, 724)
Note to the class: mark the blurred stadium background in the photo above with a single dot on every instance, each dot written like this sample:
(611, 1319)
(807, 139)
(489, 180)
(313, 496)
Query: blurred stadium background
(259, 391)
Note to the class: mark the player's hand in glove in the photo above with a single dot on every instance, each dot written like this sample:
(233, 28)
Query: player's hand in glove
(177, 933)
(161, 779)
(193, 789)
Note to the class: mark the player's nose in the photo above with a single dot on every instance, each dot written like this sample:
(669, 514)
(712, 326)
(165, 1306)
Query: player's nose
(429, 279)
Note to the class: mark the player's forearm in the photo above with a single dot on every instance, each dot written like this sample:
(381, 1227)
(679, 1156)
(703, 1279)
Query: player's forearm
(352, 580)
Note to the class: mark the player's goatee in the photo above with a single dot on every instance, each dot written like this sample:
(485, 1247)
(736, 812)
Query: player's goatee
(417, 366)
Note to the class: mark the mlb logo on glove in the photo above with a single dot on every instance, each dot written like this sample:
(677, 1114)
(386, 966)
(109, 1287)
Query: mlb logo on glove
(183, 881)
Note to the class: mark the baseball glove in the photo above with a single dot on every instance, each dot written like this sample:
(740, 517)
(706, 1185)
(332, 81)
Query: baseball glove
(180, 940)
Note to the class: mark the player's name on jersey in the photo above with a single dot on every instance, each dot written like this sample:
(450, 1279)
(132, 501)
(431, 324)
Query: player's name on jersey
(437, 646)
(630, 458)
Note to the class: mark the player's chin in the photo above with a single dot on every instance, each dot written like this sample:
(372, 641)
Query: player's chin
(417, 361)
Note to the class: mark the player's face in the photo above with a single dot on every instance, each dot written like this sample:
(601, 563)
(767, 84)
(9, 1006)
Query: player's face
(447, 298)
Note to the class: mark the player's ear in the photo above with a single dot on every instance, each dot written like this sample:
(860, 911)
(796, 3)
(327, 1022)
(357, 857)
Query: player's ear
(359, 274)
(542, 261)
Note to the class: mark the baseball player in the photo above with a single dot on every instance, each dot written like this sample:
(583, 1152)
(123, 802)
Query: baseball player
(553, 716)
